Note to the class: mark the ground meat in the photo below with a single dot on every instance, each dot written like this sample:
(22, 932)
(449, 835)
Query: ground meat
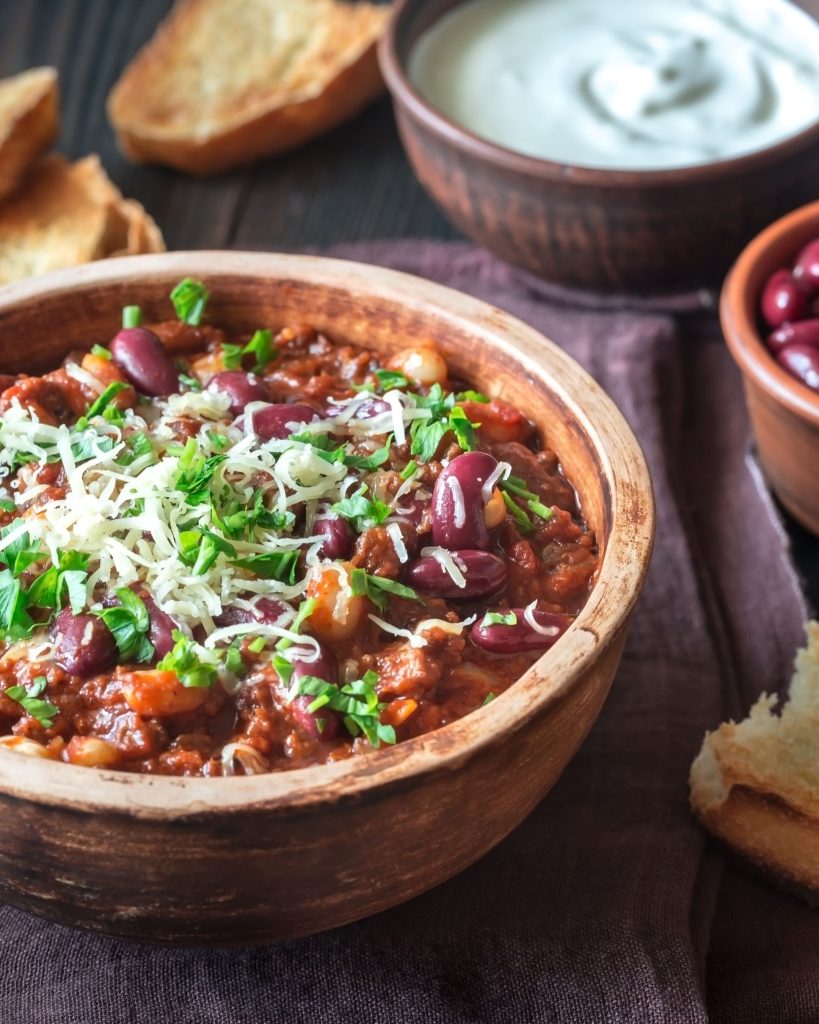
(375, 552)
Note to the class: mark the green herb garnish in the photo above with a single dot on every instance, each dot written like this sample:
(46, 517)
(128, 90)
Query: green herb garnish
(361, 511)
(103, 353)
(130, 624)
(189, 299)
(131, 316)
(357, 702)
(376, 588)
(499, 619)
(277, 565)
(390, 379)
(260, 346)
(189, 662)
(30, 701)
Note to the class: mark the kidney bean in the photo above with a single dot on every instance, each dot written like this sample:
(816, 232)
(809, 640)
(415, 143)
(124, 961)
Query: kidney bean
(84, 644)
(801, 361)
(804, 332)
(271, 423)
(782, 299)
(162, 625)
(324, 667)
(517, 639)
(241, 388)
(309, 721)
(806, 268)
(338, 535)
(372, 407)
(140, 355)
(484, 573)
(457, 507)
(267, 610)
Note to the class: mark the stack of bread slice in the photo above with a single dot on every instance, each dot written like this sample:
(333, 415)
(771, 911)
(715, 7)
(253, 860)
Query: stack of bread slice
(53, 213)
(224, 82)
(755, 784)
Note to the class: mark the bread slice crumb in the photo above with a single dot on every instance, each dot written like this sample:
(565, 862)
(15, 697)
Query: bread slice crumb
(66, 214)
(29, 122)
(222, 83)
(755, 784)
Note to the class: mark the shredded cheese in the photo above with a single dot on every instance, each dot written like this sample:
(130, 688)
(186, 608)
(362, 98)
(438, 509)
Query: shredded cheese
(529, 616)
(450, 562)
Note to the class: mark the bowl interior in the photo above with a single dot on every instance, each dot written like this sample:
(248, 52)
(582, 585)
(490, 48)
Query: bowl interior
(42, 319)
(774, 248)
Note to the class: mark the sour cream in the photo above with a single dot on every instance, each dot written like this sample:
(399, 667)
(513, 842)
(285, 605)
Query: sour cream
(624, 83)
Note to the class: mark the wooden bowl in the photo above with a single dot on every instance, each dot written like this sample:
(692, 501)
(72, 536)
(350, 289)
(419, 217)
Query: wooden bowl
(242, 860)
(592, 228)
(784, 411)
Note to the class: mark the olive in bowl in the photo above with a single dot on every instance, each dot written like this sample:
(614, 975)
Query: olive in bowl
(259, 857)
(770, 320)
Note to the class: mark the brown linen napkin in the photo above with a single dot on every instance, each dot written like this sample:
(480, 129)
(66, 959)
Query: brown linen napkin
(607, 904)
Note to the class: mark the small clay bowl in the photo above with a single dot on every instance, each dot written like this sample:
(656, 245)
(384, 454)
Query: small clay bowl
(243, 860)
(784, 411)
(592, 228)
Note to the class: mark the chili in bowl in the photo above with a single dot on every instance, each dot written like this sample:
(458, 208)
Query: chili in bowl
(268, 552)
(358, 823)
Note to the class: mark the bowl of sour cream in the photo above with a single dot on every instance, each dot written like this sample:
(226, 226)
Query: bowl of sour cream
(636, 144)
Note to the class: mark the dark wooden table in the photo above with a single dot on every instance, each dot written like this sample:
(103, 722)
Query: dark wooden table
(350, 185)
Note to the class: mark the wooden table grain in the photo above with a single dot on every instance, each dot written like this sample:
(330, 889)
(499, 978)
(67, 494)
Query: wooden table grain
(353, 184)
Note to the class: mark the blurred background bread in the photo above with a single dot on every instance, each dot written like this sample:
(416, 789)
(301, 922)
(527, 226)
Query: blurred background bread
(67, 214)
(755, 784)
(222, 83)
(29, 121)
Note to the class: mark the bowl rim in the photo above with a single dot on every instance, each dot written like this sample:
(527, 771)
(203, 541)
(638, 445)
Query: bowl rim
(451, 132)
(738, 317)
(599, 625)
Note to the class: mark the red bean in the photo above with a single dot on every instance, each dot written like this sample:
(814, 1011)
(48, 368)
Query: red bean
(806, 268)
(370, 408)
(801, 361)
(161, 624)
(324, 667)
(457, 508)
(782, 299)
(142, 358)
(338, 535)
(241, 388)
(483, 572)
(517, 639)
(266, 609)
(84, 645)
(272, 422)
(804, 332)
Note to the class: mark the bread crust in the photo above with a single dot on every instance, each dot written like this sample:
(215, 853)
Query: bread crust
(29, 122)
(755, 784)
(65, 214)
(273, 122)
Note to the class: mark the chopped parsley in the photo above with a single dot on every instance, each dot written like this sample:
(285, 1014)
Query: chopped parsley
(357, 702)
(260, 347)
(196, 472)
(499, 619)
(189, 662)
(101, 403)
(444, 417)
(370, 462)
(376, 588)
(513, 486)
(103, 353)
(306, 609)
(275, 565)
(191, 383)
(409, 470)
(30, 701)
(361, 511)
(189, 299)
(391, 379)
(130, 624)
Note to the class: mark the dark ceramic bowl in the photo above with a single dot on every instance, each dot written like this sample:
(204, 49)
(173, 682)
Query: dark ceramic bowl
(603, 229)
(784, 411)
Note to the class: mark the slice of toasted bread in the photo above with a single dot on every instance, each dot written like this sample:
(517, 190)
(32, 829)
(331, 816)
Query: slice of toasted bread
(67, 214)
(29, 121)
(755, 784)
(222, 83)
